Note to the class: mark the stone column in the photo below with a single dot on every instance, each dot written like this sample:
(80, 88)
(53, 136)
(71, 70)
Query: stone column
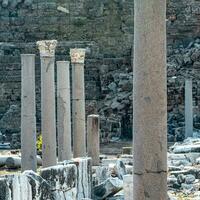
(47, 55)
(78, 102)
(28, 120)
(150, 101)
(63, 111)
(188, 108)
(93, 148)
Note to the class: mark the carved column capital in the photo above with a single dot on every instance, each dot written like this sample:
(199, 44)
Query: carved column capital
(77, 55)
(47, 47)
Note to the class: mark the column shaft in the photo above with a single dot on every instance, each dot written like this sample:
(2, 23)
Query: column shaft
(93, 147)
(48, 112)
(63, 111)
(150, 101)
(188, 109)
(78, 102)
(28, 120)
(47, 56)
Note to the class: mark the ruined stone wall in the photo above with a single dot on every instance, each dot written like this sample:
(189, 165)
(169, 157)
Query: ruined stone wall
(70, 180)
(104, 27)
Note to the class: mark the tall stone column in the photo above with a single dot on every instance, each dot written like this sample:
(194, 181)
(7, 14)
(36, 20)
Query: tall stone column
(78, 102)
(150, 101)
(188, 108)
(93, 147)
(63, 111)
(47, 56)
(28, 111)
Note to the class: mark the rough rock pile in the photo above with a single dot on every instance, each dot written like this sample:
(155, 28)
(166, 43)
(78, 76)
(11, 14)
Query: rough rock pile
(184, 171)
(182, 62)
(116, 86)
(117, 103)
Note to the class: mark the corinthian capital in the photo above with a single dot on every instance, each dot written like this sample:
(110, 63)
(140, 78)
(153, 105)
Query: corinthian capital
(77, 55)
(47, 47)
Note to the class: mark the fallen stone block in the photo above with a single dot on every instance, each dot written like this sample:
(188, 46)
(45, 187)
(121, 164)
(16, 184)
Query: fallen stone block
(14, 162)
(84, 177)
(63, 180)
(102, 173)
(108, 188)
(191, 170)
(128, 187)
(15, 187)
(41, 189)
(120, 169)
(187, 148)
(106, 162)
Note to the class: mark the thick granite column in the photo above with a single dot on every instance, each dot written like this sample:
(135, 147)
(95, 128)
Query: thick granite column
(78, 102)
(188, 108)
(63, 111)
(28, 120)
(47, 56)
(150, 101)
(93, 148)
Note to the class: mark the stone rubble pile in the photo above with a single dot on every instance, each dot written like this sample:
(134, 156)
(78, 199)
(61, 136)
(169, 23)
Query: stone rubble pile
(183, 62)
(183, 167)
(116, 107)
(13, 4)
(112, 179)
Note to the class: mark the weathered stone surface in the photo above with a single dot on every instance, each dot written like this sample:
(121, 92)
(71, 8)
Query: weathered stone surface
(63, 180)
(7, 124)
(41, 189)
(63, 111)
(150, 101)
(93, 143)
(109, 187)
(16, 187)
(128, 187)
(28, 113)
(187, 149)
(84, 177)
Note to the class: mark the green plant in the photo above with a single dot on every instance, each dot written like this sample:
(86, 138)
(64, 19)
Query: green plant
(39, 143)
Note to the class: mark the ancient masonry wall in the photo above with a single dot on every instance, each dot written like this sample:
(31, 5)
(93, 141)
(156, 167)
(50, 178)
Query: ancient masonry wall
(105, 28)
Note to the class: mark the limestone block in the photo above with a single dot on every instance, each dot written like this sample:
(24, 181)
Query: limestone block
(109, 187)
(63, 180)
(5, 3)
(15, 187)
(40, 187)
(5, 192)
(128, 187)
(187, 148)
(102, 173)
(106, 162)
(84, 177)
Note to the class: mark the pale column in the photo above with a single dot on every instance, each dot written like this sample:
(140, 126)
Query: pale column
(150, 101)
(188, 108)
(78, 102)
(63, 111)
(93, 148)
(28, 120)
(47, 56)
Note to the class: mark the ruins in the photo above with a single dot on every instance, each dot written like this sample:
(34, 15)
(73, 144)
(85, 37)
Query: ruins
(99, 100)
